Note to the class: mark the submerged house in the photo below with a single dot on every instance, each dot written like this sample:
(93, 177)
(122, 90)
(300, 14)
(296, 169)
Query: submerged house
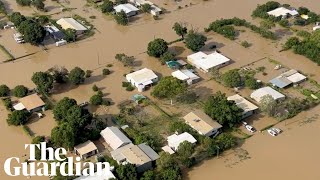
(70, 23)
(202, 123)
(186, 75)
(283, 12)
(258, 94)
(114, 137)
(175, 140)
(247, 107)
(31, 103)
(129, 9)
(290, 77)
(140, 155)
(205, 62)
(142, 79)
(86, 149)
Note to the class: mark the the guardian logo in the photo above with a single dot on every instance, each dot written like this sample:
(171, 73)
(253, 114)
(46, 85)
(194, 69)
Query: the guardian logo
(56, 161)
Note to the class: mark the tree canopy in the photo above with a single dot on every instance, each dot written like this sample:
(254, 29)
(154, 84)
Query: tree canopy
(195, 41)
(232, 78)
(43, 81)
(225, 112)
(17, 18)
(76, 76)
(168, 87)
(180, 29)
(121, 18)
(127, 172)
(17, 118)
(32, 31)
(60, 110)
(157, 47)
(63, 136)
(4, 90)
(106, 6)
(20, 91)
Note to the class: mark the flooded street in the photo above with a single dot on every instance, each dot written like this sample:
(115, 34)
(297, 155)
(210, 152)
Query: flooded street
(293, 155)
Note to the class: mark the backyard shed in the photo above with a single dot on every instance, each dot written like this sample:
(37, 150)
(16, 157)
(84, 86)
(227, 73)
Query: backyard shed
(86, 149)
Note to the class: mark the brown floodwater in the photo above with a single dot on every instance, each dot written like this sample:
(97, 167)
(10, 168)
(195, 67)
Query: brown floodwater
(287, 156)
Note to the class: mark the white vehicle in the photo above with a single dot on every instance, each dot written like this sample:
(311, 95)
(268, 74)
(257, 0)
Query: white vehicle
(40, 115)
(250, 128)
(277, 130)
(271, 132)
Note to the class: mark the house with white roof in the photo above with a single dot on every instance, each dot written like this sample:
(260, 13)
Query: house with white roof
(114, 137)
(70, 23)
(155, 10)
(283, 12)
(31, 103)
(142, 78)
(202, 123)
(287, 78)
(140, 155)
(175, 140)
(259, 93)
(186, 75)
(247, 107)
(86, 149)
(206, 62)
(129, 9)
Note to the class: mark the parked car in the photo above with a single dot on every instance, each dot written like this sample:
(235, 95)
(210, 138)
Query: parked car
(274, 131)
(271, 132)
(84, 104)
(250, 128)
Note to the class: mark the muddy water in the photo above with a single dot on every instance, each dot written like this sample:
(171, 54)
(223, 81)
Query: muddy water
(95, 52)
(292, 155)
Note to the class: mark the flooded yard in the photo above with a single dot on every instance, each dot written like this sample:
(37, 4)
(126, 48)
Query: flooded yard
(281, 157)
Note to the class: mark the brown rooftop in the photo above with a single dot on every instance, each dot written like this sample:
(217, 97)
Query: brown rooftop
(31, 102)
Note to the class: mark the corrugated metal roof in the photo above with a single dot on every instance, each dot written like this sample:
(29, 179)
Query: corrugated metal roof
(149, 151)
(114, 137)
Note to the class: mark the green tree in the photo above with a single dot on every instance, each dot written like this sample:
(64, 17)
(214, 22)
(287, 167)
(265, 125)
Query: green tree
(148, 175)
(43, 19)
(32, 31)
(195, 41)
(179, 126)
(17, 18)
(232, 78)
(227, 113)
(43, 81)
(124, 59)
(146, 7)
(127, 172)
(64, 136)
(121, 1)
(268, 105)
(267, 24)
(24, 2)
(17, 118)
(39, 4)
(96, 100)
(95, 88)
(226, 141)
(172, 173)
(121, 18)
(291, 42)
(185, 150)
(60, 110)
(4, 90)
(106, 6)
(165, 161)
(76, 76)
(284, 23)
(180, 29)
(251, 83)
(78, 118)
(20, 91)
(59, 74)
(157, 47)
(106, 72)
(70, 35)
(303, 10)
(168, 87)
(167, 56)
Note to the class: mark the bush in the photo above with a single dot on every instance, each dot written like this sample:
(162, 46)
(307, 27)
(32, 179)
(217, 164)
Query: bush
(76, 76)
(251, 83)
(284, 23)
(107, 6)
(7, 103)
(95, 88)
(195, 41)
(88, 73)
(106, 72)
(261, 10)
(20, 91)
(17, 118)
(130, 88)
(245, 44)
(4, 90)
(167, 56)
(96, 99)
(126, 84)
(121, 18)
